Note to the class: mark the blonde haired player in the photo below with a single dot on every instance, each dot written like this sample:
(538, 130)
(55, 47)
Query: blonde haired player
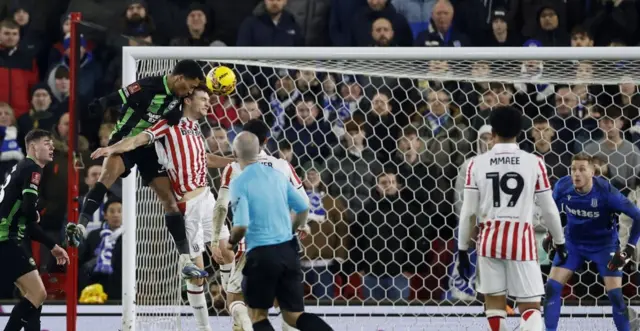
(232, 274)
(500, 188)
(181, 150)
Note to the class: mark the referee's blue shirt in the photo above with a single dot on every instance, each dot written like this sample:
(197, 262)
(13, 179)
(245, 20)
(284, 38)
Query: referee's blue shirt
(261, 198)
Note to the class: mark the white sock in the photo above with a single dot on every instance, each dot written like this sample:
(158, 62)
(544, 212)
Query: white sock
(531, 320)
(287, 327)
(494, 315)
(198, 304)
(240, 315)
(184, 260)
(225, 273)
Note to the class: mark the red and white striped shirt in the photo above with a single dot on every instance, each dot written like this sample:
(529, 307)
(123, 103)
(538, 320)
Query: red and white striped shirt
(183, 154)
(507, 180)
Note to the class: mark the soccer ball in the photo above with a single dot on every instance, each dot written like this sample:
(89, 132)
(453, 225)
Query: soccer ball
(221, 80)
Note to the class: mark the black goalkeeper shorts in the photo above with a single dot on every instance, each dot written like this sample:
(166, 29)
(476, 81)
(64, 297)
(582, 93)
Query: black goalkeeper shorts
(18, 260)
(147, 161)
(273, 272)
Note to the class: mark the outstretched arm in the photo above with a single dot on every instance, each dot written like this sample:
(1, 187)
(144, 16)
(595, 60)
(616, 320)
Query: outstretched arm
(124, 145)
(216, 161)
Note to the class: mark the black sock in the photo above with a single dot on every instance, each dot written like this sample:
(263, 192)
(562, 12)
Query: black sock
(263, 325)
(176, 227)
(92, 202)
(311, 322)
(34, 321)
(20, 315)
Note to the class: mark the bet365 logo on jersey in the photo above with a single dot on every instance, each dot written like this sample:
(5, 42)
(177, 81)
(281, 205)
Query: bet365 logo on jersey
(582, 213)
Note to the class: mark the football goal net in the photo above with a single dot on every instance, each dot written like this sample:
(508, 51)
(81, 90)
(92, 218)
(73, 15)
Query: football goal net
(378, 135)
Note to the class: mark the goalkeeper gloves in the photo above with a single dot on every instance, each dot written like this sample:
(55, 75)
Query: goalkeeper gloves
(554, 249)
(621, 257)
(75, 233)
(464, 265)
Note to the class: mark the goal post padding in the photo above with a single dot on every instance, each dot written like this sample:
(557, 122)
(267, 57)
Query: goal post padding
(151, 286)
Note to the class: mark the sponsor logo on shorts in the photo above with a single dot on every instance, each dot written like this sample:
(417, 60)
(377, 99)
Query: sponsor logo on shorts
(195, 247)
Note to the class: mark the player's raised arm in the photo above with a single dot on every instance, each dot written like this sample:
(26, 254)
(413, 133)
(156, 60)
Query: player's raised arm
(469, 208)
(158, 130)
(548, 207)
(216, 161)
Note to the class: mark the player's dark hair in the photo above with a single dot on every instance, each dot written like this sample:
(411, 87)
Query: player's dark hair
(506, 122)
(259, 128)
(201, 87)
(190, 69)
(35, 135)
(582, 157)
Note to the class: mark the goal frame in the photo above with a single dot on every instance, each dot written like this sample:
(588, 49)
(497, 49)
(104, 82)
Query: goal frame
(132, 54)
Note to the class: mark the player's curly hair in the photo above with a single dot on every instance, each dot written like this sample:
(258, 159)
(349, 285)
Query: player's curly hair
(506, 122)
(259, 128)
(189, 69)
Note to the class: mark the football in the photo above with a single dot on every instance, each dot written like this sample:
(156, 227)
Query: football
(221, 80)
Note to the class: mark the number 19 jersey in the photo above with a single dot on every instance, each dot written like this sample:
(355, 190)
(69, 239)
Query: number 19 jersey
(507, 179)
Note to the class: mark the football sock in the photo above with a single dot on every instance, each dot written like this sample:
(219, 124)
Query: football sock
(552, 304)
(198, 303)
(92, 202)
(34, 321)
(619, 309)
(225, 273)
(20, 315)
(241, 315)
(175, 225)
(311, 322)
(263, 325)
(531, 320)
(495, 319)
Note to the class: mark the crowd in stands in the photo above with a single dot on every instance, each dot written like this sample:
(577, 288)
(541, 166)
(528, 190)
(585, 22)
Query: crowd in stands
(379, 156)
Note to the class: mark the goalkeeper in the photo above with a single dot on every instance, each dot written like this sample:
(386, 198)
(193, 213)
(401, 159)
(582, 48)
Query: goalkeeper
(144, 103)
(591, 234)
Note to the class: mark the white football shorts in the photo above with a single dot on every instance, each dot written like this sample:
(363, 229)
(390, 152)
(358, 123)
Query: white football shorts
(198, 218)
(519, 279)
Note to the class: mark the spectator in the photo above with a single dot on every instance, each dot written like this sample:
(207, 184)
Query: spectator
(550, 30)
(352, 169)
(501, 34)
(525, 15)
(382, 33)
(10, 151)
(276, 27)
(91, 178)
(569, 126)
(311, 139)
(313, 18)
(42, 114)
(249, 110)
(341, 19)
(340, 106)
(441, 31)
(622, 155)
(532, 97)
(100, 255)
(362, 24)
(90, 72)
(488, 101)
(417, 13)
(307, 82)
(217, 140)
(223, 111)
(609, 20)
(136, 19)
(544, 143)
(473, 18)
(383, 126)
(18, 70)
(484, 143)
(581, 37)
(384, 233)
(61, 85)
(228, 16)
(325, 248)
(29, 37)
(197, 27)
(112, 77)
(285, 96)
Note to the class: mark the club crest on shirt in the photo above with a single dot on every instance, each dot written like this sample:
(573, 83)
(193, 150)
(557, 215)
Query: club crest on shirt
(133, 88)
(35, 178)
(594, 203)
(173, 104)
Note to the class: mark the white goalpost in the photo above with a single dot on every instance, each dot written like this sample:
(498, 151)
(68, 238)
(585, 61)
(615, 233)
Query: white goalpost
(347, 84)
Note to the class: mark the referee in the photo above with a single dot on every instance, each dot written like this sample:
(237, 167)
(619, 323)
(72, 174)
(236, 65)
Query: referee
(261, 198)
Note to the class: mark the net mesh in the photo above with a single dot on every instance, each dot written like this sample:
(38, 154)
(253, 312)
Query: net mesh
(357, 131)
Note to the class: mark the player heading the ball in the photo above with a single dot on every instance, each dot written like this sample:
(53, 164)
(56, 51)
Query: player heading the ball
(590, 204)
(501, 186)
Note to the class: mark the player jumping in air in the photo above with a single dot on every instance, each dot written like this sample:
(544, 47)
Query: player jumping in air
(232, 277)
(590, 204)
(144, 103)
(182, 150)
(500, 189)
(18, 218)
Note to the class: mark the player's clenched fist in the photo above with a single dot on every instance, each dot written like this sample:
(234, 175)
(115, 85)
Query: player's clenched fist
(554, 249)
(621, 257)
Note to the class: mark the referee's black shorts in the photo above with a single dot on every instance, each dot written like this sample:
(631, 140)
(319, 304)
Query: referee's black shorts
(273, 272)
(20, 262)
